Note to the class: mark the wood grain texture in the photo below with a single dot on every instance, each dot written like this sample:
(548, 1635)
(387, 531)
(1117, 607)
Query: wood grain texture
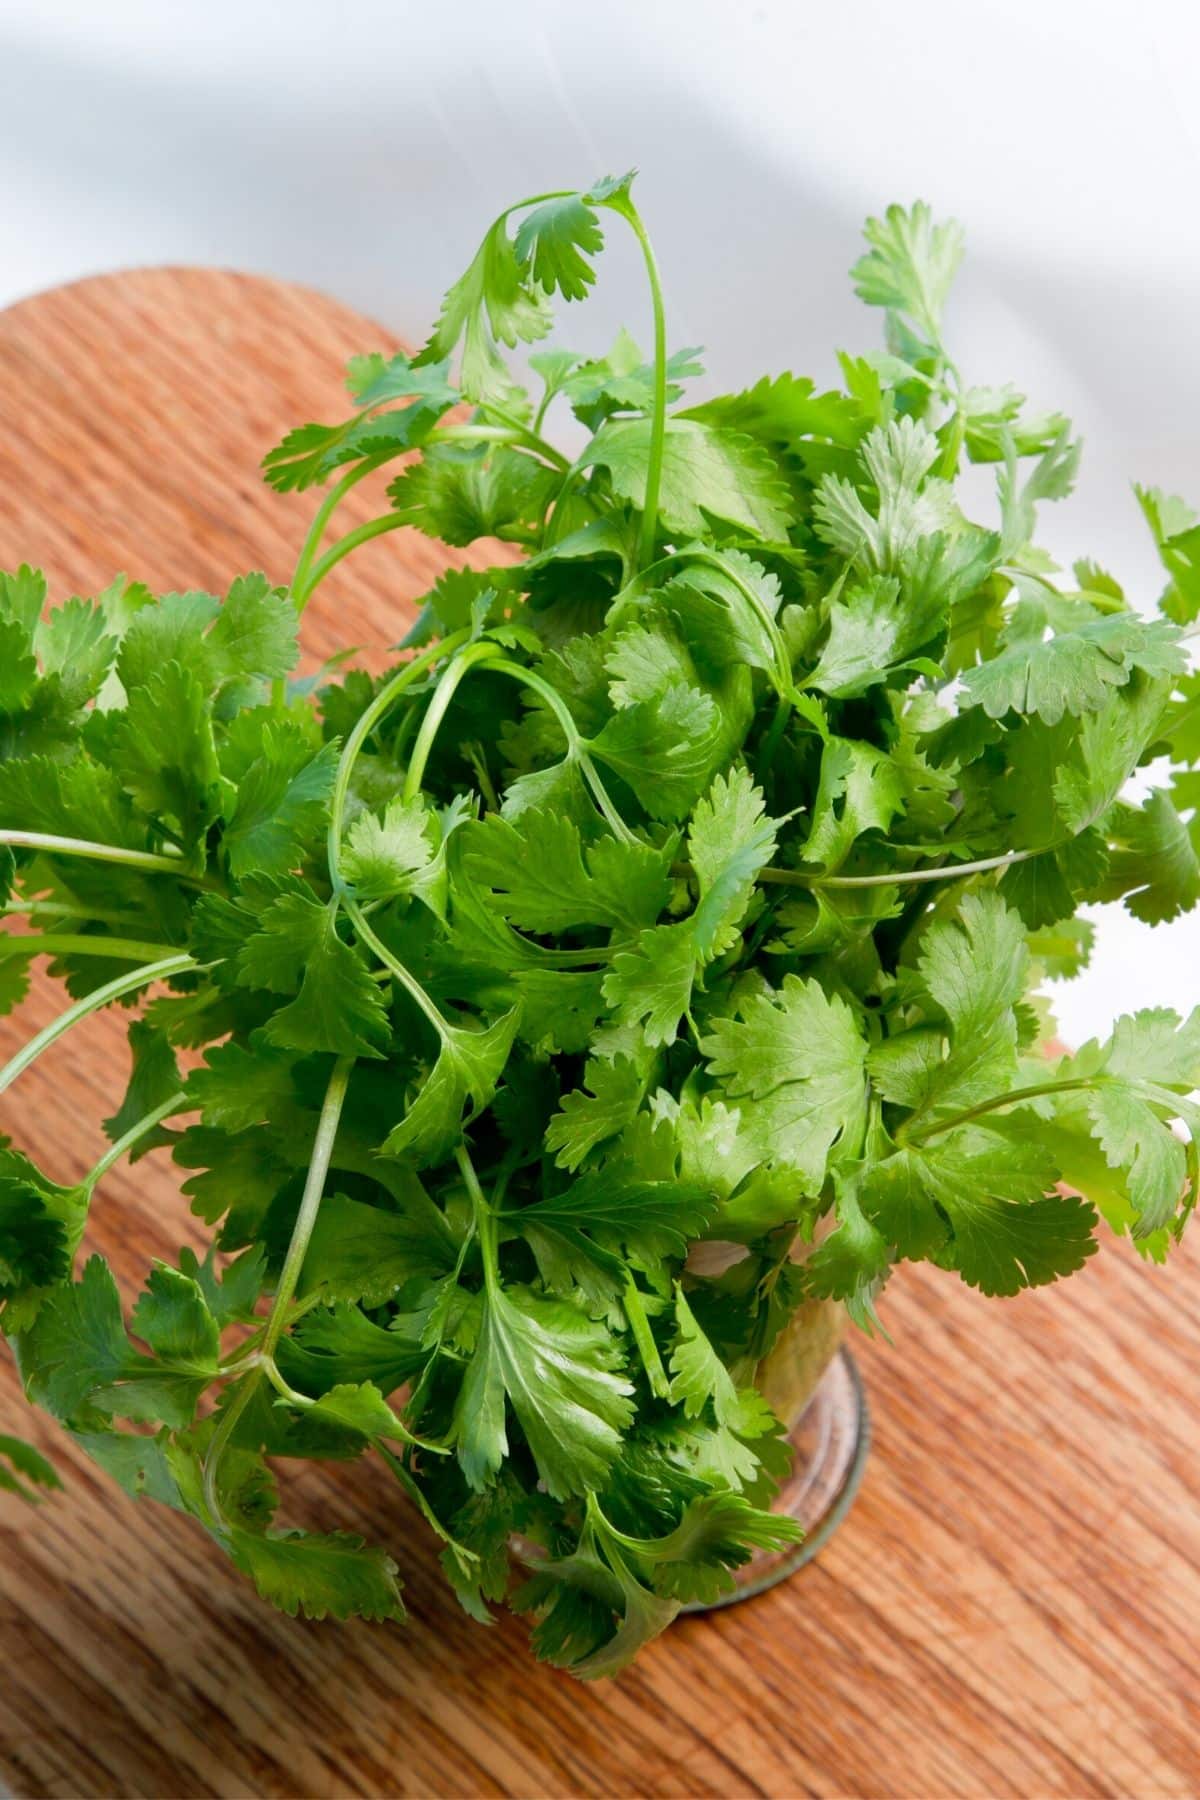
(1012, 1607)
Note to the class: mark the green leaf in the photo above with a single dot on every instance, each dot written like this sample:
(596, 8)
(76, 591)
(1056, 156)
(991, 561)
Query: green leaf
(556, 241)
(495, 302)
(1153, 863)
(708, 474)
(339, 1344)
(154, 1078)
(397, 855)
(310, 454)
(800, 1057)
(77, 1355)
(614, 1092)
(556, 1369)
(281, 803)
(319, 1577)
(459, 496)
(1074, 671)
(973, 969)
(666, 749)
(172, 1316)
(979, 1202)
(698, 1377)
(23, 1469)
(366, 1253)
(543, 880)
(1176, 532)
(896, 462)
(338, 1007)
(165, 753)
(872, 638)
(860, 790)
(910, 266)
(730, 840)
(468, 1066)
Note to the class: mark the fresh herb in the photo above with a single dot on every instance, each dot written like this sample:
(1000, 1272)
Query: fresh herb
(688, 878)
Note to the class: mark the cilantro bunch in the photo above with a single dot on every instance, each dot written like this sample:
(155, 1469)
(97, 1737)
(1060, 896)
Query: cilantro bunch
(692, 875)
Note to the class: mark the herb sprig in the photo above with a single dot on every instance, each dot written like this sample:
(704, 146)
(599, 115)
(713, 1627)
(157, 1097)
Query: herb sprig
(692, 876)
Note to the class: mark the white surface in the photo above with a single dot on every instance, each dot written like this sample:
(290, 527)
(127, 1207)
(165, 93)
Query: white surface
(362, 148)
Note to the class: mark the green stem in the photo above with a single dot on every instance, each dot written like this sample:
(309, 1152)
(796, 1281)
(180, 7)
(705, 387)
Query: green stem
(112, 990)
(65, 943)
(435, 712)
(658, 426)
(899, 877)
(147, 860)
(365, 726)
(52, 909)
(576, 744)
(310, 1202)
(361, 534)
(1018, 1095)
(156, 1115)
(321, 518)
(485, 1221)
(225, 1427)
(395, 967)
(511, 432)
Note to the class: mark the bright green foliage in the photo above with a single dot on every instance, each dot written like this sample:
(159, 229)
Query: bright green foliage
(690, 878)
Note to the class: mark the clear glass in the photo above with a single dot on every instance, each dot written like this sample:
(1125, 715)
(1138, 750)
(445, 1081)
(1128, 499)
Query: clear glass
(830, 1441)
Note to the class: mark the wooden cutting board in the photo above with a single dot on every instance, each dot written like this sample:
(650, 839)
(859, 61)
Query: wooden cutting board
(1013, 1605)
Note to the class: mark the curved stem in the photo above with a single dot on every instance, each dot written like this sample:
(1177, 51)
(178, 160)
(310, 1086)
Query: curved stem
(361, 534)
(156, 1115)
(310, 1202)
(658, 423)
(443, 694)
(394, 966)
(225, 1427)
(53, 909)
(1017, 1096)
(511, 432)
(576, 744)
(112, 990)
(900, 877)
(366, 724)
(65, 943)
(149, 861)
(321, 518)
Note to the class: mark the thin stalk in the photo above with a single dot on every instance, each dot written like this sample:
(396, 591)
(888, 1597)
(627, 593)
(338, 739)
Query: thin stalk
(321, 518)
(361, 534)
(485, 1221)
(362, 731)
(435, 712)
(658, 423)
(112, 990)
(225, 1428)
(509, 433)
(67, 943)
(150, 861)
(177, 1103)
(53, 909)
(1015, 1098)
(576, 744)
(944, 872)
(394, 966)
(310, 1202)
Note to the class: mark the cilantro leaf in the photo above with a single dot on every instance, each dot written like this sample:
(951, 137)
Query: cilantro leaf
(319, 1577)
(556, 1368)
(297, 950)
(799, 1055)
(709, 473)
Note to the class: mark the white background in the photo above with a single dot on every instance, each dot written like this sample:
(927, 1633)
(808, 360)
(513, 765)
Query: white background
(362, 147)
